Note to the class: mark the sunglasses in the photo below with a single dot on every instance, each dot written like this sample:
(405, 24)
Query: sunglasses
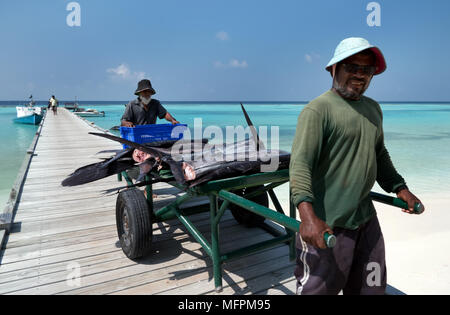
(353, 69)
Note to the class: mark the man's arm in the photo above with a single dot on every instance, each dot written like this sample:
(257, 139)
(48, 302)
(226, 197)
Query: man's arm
(169, 117)
(390, 180)
(126, 120)
(163, 113)
(305, 152)
(387, 176)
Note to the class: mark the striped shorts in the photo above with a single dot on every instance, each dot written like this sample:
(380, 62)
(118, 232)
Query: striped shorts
(355, 266)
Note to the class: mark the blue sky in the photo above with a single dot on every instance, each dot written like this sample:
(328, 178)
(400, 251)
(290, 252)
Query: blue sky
(249, 50)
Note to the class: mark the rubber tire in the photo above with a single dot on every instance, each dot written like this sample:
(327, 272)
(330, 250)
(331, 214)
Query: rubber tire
(244, 216)
(138, 244)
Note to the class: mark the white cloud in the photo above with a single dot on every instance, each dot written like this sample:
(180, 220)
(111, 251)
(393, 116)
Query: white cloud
(121, 71)
(311, 57)
(124, 72)
(308, 58)
(233, 63)
(218, 64)
(222, 35)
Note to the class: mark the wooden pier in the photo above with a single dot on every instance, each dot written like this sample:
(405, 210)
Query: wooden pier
(63, 240)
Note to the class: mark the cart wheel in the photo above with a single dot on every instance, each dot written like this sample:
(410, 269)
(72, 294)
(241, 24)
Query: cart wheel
(244, 216)
(134, 223)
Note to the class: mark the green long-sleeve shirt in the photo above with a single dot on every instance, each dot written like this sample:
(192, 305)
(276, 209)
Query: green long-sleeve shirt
(337, 155)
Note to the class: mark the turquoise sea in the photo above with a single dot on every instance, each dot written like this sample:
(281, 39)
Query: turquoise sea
(416, 135)
(15, 140)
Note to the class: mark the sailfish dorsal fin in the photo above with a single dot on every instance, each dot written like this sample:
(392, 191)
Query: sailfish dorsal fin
(259, 144)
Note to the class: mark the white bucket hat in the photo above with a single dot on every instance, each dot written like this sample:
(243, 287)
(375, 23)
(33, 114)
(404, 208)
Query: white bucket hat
(353, 45)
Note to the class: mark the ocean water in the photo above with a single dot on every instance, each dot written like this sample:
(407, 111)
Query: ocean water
(417, 136)
(15, 140)
(282, 116)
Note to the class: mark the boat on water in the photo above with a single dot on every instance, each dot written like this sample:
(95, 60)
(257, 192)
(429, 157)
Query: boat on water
(90, 113)
(71, 106)
(33, 119)
(30, 115)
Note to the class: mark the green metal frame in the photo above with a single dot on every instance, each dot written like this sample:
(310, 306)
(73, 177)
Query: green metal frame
(222, 189)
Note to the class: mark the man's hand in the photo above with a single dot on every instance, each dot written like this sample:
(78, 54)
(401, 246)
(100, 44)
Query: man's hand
(312, 229)
(170, 118)
(410, 199)
(127, 124)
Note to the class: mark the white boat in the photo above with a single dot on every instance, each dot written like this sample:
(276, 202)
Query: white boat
(23, 111)
(90, 113)
(29, 114)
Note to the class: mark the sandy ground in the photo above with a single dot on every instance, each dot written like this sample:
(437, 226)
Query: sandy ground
(417, 246)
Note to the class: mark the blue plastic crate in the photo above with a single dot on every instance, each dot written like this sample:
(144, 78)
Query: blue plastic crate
(151, 133)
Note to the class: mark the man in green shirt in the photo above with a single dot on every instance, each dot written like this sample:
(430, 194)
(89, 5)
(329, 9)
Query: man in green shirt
(337, 155)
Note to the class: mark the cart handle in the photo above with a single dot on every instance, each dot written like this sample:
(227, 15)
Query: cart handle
(330, 240)
(397, 202)
(284, 220)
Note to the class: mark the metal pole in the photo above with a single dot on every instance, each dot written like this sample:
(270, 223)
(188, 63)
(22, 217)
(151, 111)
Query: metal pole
(217, 263)
(161, 213)
(396, 202)
(261, 210)
(149, 192)
(222, 209)
(290, 223)
(194, 232)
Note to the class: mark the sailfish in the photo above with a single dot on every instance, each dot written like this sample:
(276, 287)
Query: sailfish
(222, 162)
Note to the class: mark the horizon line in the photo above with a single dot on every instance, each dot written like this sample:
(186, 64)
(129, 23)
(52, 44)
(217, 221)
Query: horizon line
(211, 101)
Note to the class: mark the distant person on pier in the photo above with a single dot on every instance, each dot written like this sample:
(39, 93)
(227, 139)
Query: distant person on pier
(54, 104)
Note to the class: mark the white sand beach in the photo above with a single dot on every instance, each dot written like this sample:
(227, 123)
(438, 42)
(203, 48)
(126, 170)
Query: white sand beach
(417, 246)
